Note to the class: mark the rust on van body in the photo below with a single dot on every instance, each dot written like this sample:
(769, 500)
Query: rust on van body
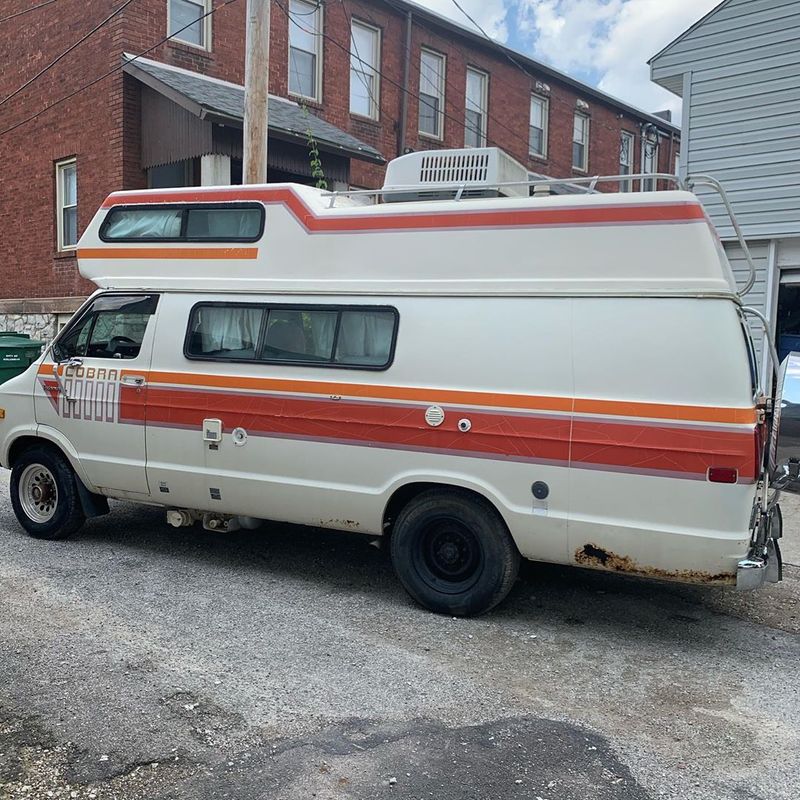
(595, 557)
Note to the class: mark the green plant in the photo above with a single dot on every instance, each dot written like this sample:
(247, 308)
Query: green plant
(317, 171)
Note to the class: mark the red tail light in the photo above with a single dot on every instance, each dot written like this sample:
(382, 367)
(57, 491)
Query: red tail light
(723, 474)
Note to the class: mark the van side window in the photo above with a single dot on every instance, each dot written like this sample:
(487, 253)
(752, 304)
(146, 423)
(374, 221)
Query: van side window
(300, 336)
(231, 222)
(112, 327)
(227, 332)
(352, 337)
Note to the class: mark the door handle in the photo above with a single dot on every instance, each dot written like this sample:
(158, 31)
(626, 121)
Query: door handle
(133, 380)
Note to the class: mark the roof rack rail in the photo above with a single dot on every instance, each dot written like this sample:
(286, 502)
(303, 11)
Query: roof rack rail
(590, 182)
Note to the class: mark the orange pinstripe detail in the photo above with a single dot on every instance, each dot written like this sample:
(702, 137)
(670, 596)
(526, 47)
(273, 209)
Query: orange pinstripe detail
(564, 405)
(516, 401)
(215, 253)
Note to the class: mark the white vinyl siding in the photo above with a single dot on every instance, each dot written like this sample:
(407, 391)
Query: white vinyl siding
(67, 204)
(305, 50)
(537, 132)
(477, 101)
(580, 143)
(365, 59)
(431, 94)
(187, 23)
(627, 142)
(743, 96)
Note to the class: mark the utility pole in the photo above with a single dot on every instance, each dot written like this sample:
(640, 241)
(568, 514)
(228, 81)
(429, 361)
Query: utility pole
(256, 92)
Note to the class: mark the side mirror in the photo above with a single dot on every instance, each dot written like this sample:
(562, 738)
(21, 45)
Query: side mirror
(785, 441)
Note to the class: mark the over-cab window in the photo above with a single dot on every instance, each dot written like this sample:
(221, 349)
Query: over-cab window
(353, 337)
(232, 222)
(113, 326)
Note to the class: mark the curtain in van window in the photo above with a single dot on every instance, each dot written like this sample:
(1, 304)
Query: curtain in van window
(144, 224)
(365, 337)
(229, 330)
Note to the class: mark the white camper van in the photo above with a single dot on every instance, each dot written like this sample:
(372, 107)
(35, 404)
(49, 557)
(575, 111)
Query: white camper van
(473, 373)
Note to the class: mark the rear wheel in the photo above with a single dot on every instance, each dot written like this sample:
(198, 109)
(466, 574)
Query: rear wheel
(453, 553)
(44, 494)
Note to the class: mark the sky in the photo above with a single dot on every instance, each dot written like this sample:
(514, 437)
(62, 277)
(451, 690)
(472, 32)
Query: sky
(605, 43)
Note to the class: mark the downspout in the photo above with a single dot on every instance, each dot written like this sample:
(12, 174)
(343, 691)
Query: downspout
(401, 136)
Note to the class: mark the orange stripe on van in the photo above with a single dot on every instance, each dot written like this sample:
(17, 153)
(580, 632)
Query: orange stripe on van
(682, 413)
(470, 219)
(208, 253)
(563, 405)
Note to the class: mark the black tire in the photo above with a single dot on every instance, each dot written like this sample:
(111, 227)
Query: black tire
(67, 512)
(453, 553)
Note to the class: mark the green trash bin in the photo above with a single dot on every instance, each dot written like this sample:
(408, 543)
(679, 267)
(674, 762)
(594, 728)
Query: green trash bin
(17, 352)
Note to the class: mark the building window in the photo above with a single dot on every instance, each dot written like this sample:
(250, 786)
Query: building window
(649, 162)
(365, 59)
(305, 49)
(477, 102)
(431, 94)
(626, 142)
(67, 204)
(187, 22)
(580, 143)
(540, 107)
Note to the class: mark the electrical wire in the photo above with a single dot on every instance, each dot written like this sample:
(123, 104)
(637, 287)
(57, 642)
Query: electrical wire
(288, 14)
(26, 11)
(449, 85)
(66, 52)
(114, 70)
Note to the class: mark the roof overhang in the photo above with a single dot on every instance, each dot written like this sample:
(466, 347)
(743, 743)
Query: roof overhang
(216, 101)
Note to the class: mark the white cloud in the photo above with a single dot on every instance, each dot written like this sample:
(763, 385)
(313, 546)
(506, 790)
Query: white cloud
(611, 40)
(489, 14)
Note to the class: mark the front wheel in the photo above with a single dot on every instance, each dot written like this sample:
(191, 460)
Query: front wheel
(44, 494)
(453, 553)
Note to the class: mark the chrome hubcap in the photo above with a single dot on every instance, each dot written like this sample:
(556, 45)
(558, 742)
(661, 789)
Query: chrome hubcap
(38, 493)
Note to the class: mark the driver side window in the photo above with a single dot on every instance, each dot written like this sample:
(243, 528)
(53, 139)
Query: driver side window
(113, 327)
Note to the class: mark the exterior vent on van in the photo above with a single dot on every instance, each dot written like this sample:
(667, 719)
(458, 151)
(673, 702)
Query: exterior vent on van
(445, 174)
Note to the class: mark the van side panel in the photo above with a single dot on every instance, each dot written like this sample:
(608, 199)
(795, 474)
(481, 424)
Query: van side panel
(641, 500)
(329, 446)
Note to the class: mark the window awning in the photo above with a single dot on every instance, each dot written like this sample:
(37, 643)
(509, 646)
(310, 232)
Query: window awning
(203, 103)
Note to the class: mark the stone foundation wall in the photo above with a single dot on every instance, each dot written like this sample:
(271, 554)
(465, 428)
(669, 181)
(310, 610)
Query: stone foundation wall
(37, 326)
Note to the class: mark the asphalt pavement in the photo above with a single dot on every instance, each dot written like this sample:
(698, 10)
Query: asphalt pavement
(137, 661)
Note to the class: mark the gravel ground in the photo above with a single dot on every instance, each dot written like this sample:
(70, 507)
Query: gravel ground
(137, 661)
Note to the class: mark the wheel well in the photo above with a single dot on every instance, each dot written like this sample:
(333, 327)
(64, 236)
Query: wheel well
(405, 494)
(19, 446)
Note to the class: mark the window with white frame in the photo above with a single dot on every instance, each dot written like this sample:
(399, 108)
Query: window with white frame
(477, 102)
(187, 22)
(305, 49)
(538, 126)
(67, 204)
(365, 59)
(580, 143)
(649, 161)
(431, 94)
(626, 144)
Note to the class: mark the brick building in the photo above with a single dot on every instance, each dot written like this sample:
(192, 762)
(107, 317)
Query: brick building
(411, 80)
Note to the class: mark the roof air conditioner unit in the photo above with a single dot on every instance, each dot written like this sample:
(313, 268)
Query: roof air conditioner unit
(446, 174)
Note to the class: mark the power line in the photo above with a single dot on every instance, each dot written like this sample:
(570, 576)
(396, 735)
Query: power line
(26, 10)
(66, 52)
(112, 71)
(449, 84)
(289, 15)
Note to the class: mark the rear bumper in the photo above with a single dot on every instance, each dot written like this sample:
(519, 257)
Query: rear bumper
(763, 565)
